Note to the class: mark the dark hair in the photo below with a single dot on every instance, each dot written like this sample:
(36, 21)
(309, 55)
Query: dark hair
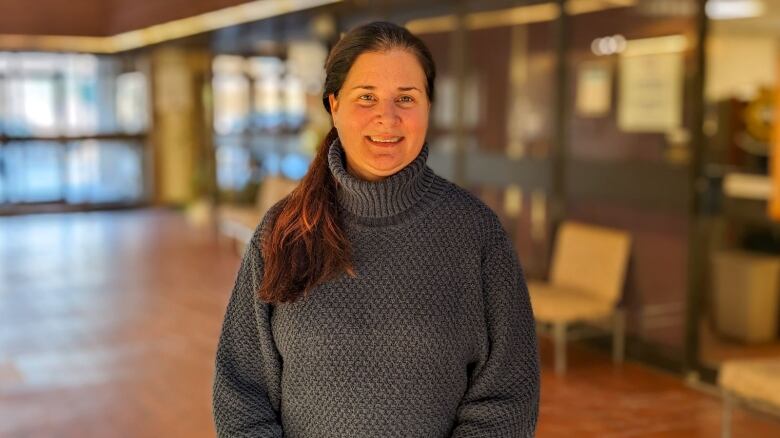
(305, 245)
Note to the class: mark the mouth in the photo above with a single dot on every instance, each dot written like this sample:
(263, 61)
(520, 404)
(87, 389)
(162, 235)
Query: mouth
(384, 140)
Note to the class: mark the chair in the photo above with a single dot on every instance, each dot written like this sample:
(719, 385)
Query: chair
(754, 383)
(586, 282)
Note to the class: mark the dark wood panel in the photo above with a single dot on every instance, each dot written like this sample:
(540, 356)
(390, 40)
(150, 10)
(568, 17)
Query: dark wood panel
(132, 14)
(656, 283)
(96, 17)
(646, 185)
(484, 168)
(54, 17)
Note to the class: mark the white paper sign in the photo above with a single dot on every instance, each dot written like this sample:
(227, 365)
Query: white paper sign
(651, 89)
(594, 89)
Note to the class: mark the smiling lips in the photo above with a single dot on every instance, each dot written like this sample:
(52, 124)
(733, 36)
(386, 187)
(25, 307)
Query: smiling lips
(381, 140)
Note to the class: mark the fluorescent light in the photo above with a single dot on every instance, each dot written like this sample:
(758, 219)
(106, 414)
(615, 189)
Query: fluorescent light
(609, 45)
(656, 45)
(518, 15)
(577, 7)
(444, 23)
(482, 20)
(734, 9)
(513, 16)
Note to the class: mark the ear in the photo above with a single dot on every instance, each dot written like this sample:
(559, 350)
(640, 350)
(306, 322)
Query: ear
(333, 102)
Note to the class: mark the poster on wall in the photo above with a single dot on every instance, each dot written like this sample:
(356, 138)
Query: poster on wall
(651, 87)
(594, 89)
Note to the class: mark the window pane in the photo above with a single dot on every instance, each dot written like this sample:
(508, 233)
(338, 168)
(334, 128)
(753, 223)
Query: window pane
(31, 106)
(104, 172)
(233, 166)
(3, 176)
(131, 102)
(34, 172)
(231, 95)
(81, 94)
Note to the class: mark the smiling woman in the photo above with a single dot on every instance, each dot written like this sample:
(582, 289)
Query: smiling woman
(381, 113)
(378, 299)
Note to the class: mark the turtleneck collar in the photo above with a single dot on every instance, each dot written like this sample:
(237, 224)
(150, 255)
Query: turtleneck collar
(379, 201)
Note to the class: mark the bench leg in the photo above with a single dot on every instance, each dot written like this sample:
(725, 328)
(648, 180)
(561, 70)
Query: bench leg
(619, 336)
(559, 339)
(725, 418)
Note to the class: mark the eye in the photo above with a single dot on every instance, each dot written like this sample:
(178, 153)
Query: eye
(366, 98)
(406, 99)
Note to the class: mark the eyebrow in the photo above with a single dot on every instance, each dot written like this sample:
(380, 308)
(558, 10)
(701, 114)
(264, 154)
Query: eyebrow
(371, 87)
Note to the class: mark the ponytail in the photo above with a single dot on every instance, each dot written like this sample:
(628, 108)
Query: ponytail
(305, 245)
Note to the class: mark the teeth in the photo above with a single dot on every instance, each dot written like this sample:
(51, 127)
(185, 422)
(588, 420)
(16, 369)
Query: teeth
(385, 140)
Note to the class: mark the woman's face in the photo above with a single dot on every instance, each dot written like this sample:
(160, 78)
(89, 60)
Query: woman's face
(381, 113)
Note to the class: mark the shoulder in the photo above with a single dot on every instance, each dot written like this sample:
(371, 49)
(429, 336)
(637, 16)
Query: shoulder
(267, 221)
(464, 206)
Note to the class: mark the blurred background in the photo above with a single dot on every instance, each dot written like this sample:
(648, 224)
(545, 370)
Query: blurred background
(141, 142)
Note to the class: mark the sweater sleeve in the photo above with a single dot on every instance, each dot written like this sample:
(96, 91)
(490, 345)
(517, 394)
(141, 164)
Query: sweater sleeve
(502, 398)
(245, 392)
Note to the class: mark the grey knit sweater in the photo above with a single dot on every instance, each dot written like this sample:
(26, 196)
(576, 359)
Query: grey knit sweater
(433, 338)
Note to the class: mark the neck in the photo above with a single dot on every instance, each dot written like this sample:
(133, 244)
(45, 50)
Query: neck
(380, 201)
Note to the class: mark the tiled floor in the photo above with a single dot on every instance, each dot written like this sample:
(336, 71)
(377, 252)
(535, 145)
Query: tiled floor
(108, 326)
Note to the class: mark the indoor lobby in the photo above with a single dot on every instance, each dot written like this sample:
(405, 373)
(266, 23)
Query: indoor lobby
(629, 148)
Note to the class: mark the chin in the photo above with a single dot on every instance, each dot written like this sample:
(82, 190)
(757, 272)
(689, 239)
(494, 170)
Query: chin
(387, 170)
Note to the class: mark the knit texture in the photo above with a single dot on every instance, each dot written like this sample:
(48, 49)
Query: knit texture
(434, 337)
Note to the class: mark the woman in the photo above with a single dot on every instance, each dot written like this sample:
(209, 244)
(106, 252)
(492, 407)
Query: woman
(378, 299)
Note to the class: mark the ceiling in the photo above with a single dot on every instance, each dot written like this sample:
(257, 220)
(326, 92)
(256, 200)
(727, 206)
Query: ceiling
(97, 17)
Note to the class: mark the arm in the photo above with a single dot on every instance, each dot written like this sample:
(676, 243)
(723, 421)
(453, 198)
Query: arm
(502, 399)
(247, 364)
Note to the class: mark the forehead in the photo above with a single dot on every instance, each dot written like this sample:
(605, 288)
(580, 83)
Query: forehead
(392, 68)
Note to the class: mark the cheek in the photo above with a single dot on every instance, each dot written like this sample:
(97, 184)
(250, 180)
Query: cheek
(355, 122)
(418, 122)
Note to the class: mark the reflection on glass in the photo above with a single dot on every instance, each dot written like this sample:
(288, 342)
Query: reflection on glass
(82, 95)
(304, 61)
(131, 102)
(446, 92)
(231, 95)
(231, 103)
(49, 94)
(104, 172)
(294, 102)
(55, 94)
(269, 101)
(268, 108)
(31, 106)
(272, 163)
(86, 172)
(294, 166)
(33, 172)
(233, 167)
(267, 112)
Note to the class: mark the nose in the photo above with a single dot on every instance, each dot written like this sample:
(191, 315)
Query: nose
(387, 113)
